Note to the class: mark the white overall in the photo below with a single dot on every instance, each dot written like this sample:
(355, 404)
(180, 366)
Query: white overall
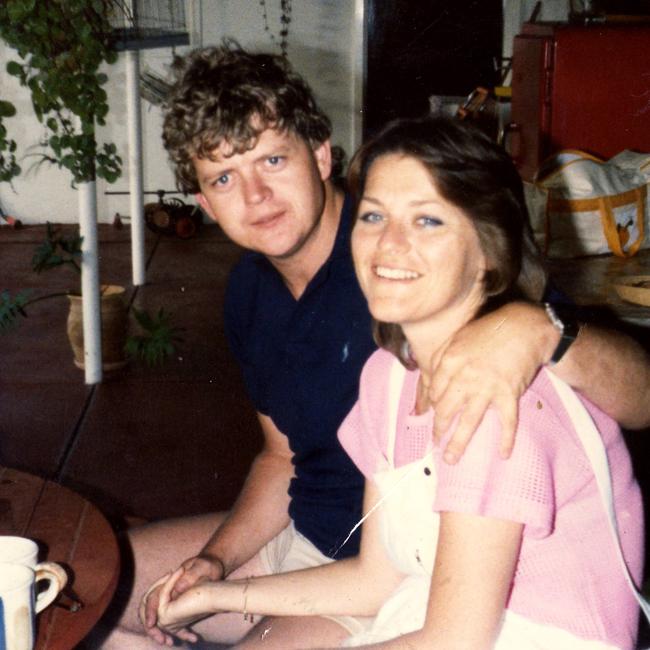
(410, 535)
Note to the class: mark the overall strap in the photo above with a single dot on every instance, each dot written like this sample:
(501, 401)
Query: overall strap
(595, 450)
(395, 381)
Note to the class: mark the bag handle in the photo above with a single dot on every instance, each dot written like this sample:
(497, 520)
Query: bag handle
(560, 160)
(597, 456)
(612, 234)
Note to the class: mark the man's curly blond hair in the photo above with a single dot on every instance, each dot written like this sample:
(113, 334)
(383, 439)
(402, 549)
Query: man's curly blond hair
(226, 94)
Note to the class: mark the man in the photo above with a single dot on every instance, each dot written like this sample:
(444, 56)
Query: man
(247, 138)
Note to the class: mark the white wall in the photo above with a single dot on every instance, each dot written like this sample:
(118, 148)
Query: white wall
(324, 45)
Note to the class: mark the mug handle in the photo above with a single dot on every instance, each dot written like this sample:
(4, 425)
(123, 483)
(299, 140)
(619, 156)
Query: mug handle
(57, 577)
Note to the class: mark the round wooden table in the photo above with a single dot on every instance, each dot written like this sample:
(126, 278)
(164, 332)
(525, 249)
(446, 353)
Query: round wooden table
(71, 531)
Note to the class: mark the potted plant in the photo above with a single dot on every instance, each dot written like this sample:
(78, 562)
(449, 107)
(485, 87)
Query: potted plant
(156, 341)
(60, 47)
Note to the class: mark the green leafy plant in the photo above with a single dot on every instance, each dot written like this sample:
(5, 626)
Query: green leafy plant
(159, 338)
(9, 167)
(61, 45)
(158, 341)
(57, 250)
(11, 308)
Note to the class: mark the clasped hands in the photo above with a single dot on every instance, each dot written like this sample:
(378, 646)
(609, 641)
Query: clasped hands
(179, 599)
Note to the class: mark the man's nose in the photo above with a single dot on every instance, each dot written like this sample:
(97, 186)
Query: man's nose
(256, 189)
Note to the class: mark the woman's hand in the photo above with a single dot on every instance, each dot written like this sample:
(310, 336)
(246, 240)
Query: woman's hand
(150, 621)
(176, 613)
(193, 571)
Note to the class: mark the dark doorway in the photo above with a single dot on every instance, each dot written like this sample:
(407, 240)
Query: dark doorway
(418, 48)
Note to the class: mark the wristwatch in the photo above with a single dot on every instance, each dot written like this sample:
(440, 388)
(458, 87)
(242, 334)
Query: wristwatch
(565, 322)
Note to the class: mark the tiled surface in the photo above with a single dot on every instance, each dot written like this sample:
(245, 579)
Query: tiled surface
(168, 448)
(147, 442)
(37, 419)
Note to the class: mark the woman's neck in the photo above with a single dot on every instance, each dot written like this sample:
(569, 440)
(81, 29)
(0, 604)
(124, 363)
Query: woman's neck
(429, 338)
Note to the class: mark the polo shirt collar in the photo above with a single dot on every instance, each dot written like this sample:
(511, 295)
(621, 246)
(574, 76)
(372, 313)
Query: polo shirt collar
(341, 248)
(342, 241)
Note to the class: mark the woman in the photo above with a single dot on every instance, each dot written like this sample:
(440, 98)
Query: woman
(488, 552)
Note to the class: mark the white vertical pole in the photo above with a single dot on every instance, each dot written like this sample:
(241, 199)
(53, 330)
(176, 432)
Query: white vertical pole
(134, 120)
(92, 322)
(358, 67)
(195, 19)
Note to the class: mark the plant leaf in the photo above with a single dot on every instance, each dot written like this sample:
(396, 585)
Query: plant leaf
(11, 308)
(57, 250)
(7, 109)
(157, 343)
(14, 68)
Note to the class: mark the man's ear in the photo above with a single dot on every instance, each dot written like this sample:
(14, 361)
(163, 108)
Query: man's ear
(205, 206)
(323, 156)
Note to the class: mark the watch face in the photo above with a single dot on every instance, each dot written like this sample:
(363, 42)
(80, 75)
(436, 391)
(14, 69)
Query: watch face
(567, 316)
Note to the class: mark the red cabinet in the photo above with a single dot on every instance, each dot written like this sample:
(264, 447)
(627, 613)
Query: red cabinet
(581, 87)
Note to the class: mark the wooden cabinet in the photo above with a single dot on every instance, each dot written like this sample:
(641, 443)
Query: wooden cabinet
(579, 87)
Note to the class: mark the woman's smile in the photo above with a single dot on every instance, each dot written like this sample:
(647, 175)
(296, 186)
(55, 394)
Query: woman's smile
(389, 273)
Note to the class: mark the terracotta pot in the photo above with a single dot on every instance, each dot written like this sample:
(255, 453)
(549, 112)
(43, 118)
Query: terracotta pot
(114, 316)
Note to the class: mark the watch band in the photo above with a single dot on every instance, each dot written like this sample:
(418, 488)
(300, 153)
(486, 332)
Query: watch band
(564, 322)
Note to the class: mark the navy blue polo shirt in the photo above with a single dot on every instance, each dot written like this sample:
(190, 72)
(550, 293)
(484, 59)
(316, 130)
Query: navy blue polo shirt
(301, 361)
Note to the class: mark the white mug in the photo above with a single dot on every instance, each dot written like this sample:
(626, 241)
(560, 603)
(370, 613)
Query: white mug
(18, 550)
(19, 604)
(22, 550)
